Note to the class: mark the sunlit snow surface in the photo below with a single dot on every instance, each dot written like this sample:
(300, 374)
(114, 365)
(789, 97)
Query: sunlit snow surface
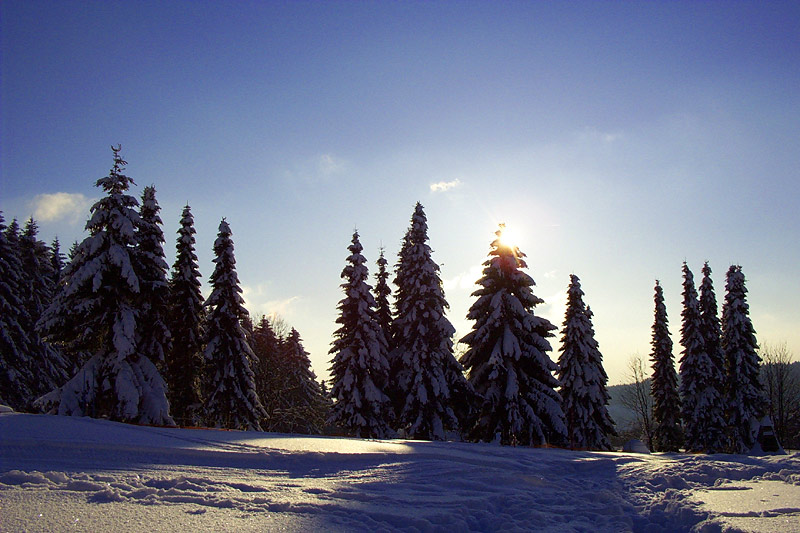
(80, 474)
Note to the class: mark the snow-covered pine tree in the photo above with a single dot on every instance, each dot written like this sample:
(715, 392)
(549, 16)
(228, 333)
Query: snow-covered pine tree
(507, 358)
(270, 369)
(98, 310)
(700, 399)
(429, 381)
(711, 333)
(583, 379)
(745, 398)
(153, 334)
(598, 379)
(16, 370)
(304, 408)
(667, 435)
(359, 368)
(383, 310)
(232, 401)
(184, 368)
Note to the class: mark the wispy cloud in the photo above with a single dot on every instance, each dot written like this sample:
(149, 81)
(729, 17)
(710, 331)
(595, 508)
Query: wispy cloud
(317, 169)
(258, 303)
(593, 134)
(465, 280)
(444, 186)
(58, 206)
(330, 165)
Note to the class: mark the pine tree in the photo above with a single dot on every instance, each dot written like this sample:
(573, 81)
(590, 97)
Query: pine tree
(702, 404)
(270, 370)
(57, 261)
(98, 310)
(184, 368)
(744, 395)
(51, 368)
(583, 379)
(17, 374)
(429, 381)
(507, 359)
(304, 407)
(154, 336)
(664, 385)
(231, 401)
(383, 310)
(359, 367)
(711, 332)
(35, 258)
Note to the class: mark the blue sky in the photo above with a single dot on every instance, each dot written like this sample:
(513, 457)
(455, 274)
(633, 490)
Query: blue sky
(617, 138)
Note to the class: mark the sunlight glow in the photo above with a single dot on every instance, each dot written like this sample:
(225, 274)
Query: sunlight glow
(508, 236)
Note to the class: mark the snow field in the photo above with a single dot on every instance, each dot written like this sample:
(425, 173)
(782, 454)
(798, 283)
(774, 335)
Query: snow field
(70, 473)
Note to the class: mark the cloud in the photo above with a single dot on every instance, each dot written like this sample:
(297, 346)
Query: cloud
(551, 274)
(315, 170)
(257, 303)
(329, 165)
(60, 206)
(593, 134)
(465, 280)
(444, 186)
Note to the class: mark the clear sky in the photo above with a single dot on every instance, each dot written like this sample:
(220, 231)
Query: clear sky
(617, 138)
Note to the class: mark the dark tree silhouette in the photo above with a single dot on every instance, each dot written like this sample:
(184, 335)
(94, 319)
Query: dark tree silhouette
(185, 315)
(745, 397)
(232, 401)
(699, 387)
(667, 435)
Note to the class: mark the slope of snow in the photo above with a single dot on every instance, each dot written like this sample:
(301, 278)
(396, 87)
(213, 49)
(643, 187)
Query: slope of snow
(81, 474)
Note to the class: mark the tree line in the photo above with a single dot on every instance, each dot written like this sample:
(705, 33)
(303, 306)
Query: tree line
(106, 334)
(725, 383)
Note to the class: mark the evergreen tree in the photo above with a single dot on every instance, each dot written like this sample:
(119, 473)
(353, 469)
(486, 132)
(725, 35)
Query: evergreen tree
(429, 381)
(184, 368)
(12, 235)
(303, 408)
(98, 310)
(664, 385)
(507, 358)
(711, 332)
(583, 379)
(359, 367)
(268, 369)
(383, 311)
(17, 374)
(744, 395)
(154, 336)
(57, 261)
(36, 264)
(702, 404)
(51, 368)
(231, 401)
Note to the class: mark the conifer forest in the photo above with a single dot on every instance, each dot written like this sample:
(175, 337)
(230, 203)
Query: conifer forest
(108, 329)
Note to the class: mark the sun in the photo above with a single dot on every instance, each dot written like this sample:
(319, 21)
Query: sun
(508, 236)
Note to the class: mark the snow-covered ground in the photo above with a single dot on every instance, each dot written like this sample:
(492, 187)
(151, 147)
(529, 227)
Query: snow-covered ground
(81, 474)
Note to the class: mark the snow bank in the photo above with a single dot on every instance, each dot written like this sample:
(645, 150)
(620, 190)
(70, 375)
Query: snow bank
(59, 473)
